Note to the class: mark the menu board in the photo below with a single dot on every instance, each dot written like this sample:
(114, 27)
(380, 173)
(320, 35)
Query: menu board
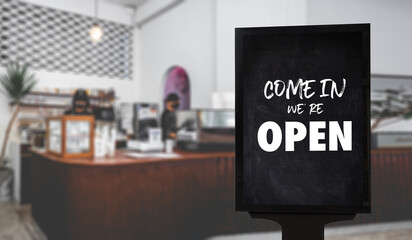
(302, 119)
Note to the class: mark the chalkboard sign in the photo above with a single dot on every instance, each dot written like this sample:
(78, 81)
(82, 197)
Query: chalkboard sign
(302, 119)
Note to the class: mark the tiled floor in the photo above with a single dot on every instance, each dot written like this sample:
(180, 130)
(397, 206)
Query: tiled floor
(381, 231)
(17, 224)
(388, 235)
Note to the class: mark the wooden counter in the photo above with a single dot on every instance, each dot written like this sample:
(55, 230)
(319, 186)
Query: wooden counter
(120, 158)
(189, 197)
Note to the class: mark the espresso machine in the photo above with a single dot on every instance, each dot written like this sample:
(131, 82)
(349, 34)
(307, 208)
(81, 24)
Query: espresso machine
(147, 135)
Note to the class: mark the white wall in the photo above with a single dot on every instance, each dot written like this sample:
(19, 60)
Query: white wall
(391, 34)
(245, 13)
(182, 36)
(5, 115)
(199, 35)
(150, 7)
(126, 90)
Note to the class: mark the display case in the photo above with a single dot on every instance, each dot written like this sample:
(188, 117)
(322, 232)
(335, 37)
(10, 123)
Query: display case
(70, 136)
(206, 130)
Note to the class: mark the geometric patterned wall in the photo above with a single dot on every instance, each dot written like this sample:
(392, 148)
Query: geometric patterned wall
(56, 40)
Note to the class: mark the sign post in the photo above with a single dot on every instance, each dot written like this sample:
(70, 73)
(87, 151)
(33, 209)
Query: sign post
(303, 125)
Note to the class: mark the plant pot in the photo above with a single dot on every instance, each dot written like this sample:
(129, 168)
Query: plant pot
(6, 177)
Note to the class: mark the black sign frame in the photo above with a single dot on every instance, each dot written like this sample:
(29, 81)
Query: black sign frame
(240, 34)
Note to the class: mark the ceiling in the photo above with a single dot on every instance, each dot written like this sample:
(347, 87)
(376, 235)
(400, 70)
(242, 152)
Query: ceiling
(154, 9)
(129, 3)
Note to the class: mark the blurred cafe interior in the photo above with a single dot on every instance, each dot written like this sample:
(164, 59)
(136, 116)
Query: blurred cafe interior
(118, 120)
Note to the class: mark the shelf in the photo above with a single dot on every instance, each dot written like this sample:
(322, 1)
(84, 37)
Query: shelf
(34, 105)
(29, 120)
(50, 94)
(67, 95)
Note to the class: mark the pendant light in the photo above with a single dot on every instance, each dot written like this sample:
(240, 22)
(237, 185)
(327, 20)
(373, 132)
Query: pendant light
(96, 32)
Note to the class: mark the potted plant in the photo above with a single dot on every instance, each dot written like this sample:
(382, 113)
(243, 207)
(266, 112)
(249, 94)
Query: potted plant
(16, 82)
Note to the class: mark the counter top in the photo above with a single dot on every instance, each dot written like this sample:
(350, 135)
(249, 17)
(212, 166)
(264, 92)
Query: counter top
(120, 158)
(128, 198)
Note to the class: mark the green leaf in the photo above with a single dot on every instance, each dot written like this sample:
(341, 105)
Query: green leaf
(408, 114)
(17, 81)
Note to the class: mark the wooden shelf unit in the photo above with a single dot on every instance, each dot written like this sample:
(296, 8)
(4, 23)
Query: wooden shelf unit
(68, 95)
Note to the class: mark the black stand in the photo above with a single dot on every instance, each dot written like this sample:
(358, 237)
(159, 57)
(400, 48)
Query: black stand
(303, 226)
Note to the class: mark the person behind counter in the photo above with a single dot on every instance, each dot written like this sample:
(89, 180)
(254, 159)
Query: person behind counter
(168, 120)
(80, 104)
